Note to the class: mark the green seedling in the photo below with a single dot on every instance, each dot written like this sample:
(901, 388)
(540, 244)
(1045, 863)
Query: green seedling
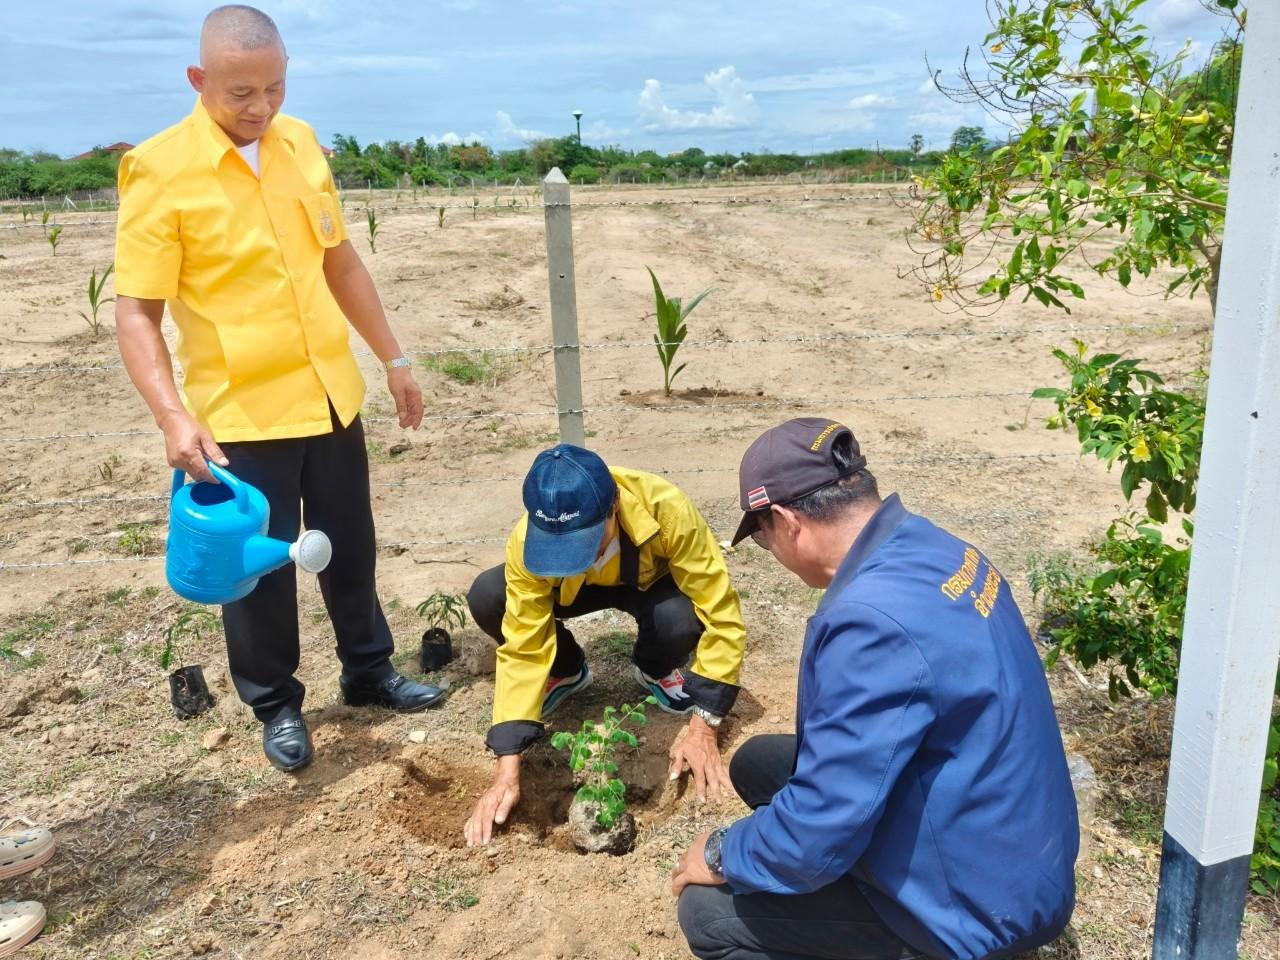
(439, 218)
(372, 217)
(133, 539)
(96, 299)
(44, 218)
(55, 237)
(592, 756)
(671, 329)
(193, 624)
(445, 610)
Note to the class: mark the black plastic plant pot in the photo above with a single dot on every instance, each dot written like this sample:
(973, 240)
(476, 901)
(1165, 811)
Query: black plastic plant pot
(188, 692)
(437, 649)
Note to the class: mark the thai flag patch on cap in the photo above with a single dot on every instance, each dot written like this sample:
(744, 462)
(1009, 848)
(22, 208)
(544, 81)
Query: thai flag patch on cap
(757, 498)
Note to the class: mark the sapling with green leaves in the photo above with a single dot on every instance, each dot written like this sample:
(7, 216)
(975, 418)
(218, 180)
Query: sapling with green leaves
(592, 757)
(671, 313)
(372, 216)
(444, 610)
(193, 624)
(439, 218)
(96, 300)
(55, 237)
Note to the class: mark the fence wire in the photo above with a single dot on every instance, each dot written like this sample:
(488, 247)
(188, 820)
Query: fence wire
(1159, 329)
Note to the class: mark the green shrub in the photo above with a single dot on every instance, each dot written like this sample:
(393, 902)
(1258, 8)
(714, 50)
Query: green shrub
(1125, 607)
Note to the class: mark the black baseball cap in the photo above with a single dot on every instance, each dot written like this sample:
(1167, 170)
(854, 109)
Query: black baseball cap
(788, 462)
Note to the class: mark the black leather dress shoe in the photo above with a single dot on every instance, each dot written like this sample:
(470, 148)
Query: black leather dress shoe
(286, 742)
(395, 692)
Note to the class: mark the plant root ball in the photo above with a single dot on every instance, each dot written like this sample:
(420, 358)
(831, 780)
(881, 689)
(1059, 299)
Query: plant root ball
(589, 837)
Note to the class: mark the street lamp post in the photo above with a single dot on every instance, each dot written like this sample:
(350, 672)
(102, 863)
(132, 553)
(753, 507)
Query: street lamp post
(577, 116)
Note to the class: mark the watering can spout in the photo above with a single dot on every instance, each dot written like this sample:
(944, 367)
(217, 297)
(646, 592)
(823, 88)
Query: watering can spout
(311, 553)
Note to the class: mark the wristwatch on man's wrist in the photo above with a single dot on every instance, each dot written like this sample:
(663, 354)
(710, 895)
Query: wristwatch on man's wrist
(711, 852)
(397, 362)
(712, 720)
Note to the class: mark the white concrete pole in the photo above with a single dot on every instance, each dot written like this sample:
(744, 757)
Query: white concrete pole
(1231, 636)
(564, 307)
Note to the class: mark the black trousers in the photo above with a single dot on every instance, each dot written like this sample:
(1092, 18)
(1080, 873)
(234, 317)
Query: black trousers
(668, 628)
(324, 482)
(833, 923)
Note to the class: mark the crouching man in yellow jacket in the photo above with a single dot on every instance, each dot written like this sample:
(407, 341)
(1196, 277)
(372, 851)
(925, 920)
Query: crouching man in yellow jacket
(593, 538)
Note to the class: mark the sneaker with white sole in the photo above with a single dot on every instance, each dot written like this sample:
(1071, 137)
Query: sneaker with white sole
(559, 689)
(668, 691)
(20, 923)
(23, 852)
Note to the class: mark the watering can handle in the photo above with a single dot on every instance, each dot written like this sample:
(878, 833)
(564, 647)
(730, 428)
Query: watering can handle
(237, 488)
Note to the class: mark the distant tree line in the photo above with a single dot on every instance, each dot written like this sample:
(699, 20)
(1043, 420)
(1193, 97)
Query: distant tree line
(39, 173)
(394, 162)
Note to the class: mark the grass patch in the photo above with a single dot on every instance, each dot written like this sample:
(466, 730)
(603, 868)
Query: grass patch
(470, 369)
(449, 892)
(135, 540)
(24, 635)
(616, 645)
(1140, 820)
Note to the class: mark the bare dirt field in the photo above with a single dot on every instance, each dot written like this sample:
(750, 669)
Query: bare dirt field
(176, 841)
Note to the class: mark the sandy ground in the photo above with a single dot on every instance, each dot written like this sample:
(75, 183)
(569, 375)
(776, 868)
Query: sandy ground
(172, 849)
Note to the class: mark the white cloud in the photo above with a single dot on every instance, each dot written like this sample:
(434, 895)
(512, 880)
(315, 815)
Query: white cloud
(827, 79)
(736, 108)
(507, 128)
(871, 101)
(451, 139)
(601, 132)
(1177, 14)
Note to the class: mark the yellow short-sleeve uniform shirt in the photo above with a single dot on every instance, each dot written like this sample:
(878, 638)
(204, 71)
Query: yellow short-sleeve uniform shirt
(239, 257)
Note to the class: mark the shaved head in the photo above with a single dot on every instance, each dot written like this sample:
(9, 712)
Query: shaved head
(242, 69)
(237, 27)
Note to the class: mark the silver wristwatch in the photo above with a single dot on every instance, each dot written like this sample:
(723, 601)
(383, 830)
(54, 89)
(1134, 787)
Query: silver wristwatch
(710, 719)
(397, 362)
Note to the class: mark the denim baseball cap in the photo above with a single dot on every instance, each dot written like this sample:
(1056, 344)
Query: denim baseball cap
(569, 494)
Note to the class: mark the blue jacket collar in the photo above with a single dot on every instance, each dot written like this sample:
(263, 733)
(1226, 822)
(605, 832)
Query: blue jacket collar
(882, 523)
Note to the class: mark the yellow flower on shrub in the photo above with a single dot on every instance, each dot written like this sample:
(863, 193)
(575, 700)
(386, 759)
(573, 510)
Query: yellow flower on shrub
(937, 294)
(1093, 409)
(1140, 451)
(997, 47)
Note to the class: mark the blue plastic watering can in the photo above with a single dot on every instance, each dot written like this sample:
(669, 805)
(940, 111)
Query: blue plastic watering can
(218, 548)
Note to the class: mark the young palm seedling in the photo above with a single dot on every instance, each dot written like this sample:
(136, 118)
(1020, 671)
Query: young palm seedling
(372, 217)
(96, 300)
(439, 218)
(598, 818)
(441, 611)
(55, 237)
(671, 329)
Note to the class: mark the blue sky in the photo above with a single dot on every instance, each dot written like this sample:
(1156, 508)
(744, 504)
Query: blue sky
(802, 76)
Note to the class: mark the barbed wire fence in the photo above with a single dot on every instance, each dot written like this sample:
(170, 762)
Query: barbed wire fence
(570, 415)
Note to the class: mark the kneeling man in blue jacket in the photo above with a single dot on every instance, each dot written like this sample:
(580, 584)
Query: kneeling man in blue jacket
(923, 806)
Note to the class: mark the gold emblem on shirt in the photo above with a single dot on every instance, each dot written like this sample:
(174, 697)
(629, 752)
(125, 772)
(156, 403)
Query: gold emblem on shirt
(326, 224)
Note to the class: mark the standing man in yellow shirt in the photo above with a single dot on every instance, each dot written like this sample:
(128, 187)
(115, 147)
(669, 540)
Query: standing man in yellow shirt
(232, 217)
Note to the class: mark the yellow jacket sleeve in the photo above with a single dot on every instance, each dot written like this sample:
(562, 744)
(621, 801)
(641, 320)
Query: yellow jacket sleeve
(525, 655)
(148, 242)
(698, 569)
